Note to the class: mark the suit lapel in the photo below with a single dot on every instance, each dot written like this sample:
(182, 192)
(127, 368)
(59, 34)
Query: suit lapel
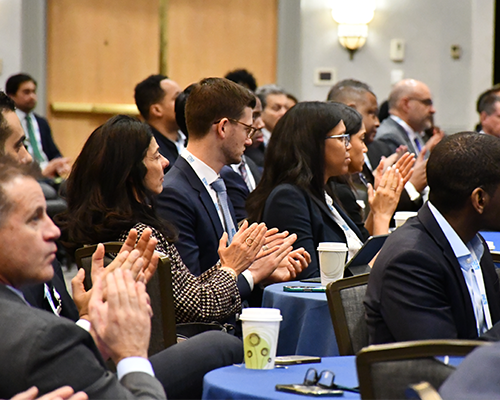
(404, 135)
(203, 194)
(429, 222)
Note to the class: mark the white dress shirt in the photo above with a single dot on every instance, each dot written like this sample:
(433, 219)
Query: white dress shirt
(468, 256)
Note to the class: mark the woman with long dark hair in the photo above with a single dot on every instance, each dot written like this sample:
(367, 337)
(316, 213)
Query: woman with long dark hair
(111, 189)
(308, 146)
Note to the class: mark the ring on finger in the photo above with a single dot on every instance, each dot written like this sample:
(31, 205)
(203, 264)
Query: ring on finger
(393, 188)
(265, 248)
(249, 241)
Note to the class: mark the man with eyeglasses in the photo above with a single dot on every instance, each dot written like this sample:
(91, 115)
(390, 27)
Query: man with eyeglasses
(411, 111)
(241, 179)
(194, 198)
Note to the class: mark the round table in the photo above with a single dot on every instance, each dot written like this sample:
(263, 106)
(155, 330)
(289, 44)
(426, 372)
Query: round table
(307, 327)
(237, 382)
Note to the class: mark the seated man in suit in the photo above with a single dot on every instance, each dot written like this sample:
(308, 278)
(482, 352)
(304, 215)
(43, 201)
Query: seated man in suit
(155, 98)
(434, 277)
(194, 198)
(411, 113)
(59, 351)
(51, 295)
(242, 178)
(22, 89)
(274, 104)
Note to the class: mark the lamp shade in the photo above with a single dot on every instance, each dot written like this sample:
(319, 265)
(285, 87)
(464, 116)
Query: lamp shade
(353, 11)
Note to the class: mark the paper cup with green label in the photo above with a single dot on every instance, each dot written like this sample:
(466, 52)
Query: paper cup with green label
(260, 336)
(332, 257)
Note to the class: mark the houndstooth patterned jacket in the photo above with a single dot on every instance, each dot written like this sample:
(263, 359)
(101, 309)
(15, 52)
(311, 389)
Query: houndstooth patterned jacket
(212, 296)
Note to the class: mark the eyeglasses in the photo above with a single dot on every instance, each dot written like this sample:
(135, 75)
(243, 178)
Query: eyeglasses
(324, 379)
(426, 102)
(345, 138)
(249, 128)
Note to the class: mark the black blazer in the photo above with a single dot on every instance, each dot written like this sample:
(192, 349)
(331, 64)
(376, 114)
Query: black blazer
(290, 208)
(48, 145)
(186, 203)
(40, 349)
(417, 290)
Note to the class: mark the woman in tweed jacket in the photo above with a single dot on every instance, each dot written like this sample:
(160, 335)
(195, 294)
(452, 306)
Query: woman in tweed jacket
(111, 190)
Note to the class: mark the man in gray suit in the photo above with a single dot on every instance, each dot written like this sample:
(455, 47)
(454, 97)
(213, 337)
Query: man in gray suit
(411, 110)
(47, 351)
(411, 113)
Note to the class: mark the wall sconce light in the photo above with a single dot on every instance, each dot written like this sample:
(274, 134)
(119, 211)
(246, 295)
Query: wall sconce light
(353, 17)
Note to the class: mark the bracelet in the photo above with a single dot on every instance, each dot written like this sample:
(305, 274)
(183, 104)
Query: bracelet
(230, 271)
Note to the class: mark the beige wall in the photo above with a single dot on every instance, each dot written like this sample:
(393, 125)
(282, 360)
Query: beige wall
(98, 50)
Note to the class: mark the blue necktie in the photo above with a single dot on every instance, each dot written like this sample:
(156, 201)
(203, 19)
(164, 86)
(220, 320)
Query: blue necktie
(220, 187)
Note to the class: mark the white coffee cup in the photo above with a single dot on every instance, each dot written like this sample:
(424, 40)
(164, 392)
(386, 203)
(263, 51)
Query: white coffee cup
(261, 328)
(401, 216)
(332, 257)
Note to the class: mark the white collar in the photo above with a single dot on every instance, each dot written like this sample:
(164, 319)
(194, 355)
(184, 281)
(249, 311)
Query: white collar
(206, 174)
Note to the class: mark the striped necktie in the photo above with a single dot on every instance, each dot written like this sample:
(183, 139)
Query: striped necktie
(220, 187)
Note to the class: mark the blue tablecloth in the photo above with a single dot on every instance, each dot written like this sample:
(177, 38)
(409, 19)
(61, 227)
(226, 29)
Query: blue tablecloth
(237, 382)
(307, 327)
(493, 237)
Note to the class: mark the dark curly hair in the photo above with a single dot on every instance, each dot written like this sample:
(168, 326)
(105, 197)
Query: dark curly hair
(105, 190)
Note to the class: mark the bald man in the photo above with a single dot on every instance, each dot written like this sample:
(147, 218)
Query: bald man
(411, 110)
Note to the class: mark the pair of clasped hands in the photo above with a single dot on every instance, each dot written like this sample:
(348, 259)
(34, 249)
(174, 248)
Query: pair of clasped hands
(267, 253)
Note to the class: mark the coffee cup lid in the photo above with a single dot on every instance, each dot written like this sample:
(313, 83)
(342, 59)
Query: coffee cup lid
(260, 314)
(332, 246)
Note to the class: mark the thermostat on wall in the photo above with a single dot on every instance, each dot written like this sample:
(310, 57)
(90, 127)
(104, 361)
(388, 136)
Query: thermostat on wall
(325, 76)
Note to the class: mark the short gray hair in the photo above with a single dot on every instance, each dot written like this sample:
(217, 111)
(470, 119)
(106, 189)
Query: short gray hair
(266, 90)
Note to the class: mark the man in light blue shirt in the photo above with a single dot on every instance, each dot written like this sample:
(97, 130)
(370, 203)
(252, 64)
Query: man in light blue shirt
(434, 277)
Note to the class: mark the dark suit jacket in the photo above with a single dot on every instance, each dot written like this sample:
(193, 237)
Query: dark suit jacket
(35, 294)
(290, 208)
(376, 150)
(257, 155)
(417, 290)
(393, 135)
(167, 148)
(237, 189)
(40, 349)
(49, 147)
(348, 202)
(186, 203)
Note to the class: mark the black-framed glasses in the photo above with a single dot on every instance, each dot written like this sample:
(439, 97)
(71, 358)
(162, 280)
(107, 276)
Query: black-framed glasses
(345, 138)
(249, 128)
(324, 379)
(425, 102)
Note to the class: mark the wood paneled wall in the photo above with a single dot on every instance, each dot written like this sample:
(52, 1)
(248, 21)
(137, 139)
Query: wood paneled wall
(97, 51)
